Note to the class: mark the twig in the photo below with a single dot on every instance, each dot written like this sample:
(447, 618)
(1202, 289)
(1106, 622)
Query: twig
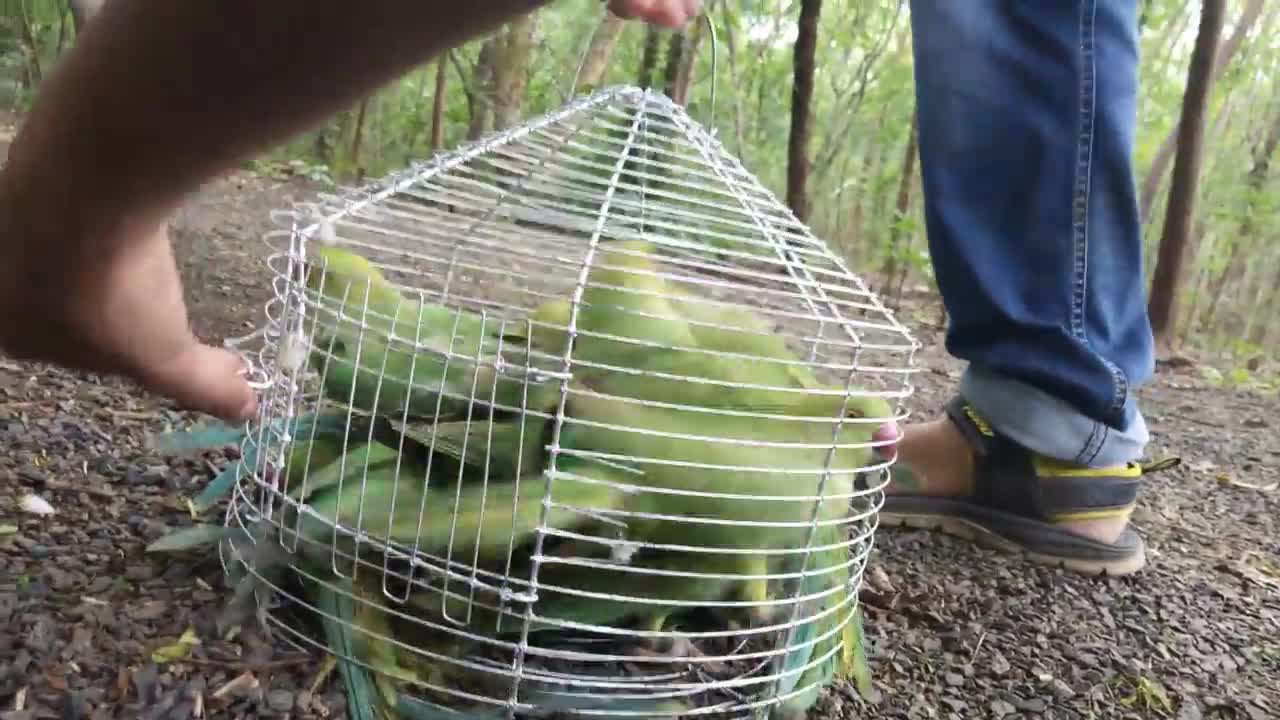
(18, 404)
(981, 639)
(1197, 421)
(246, 666)
(60, 486)
(134, 415)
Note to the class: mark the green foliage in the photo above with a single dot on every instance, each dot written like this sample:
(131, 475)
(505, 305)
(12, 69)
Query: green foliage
(863, 101)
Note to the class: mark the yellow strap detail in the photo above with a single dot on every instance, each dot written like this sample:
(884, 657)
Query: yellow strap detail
(1052, 467)
(983, 427)
(1159, 465)
(1099, 514)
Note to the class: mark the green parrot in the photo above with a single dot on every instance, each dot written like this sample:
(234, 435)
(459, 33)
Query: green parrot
(699, 354)
(687, 452)
(364, 368)
(735, 329)
(625, 298)
(821, 648)
(467, 489)
(316, 439)
(357, 488)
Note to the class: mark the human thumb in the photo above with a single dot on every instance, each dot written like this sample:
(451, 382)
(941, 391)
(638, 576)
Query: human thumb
(208, 379)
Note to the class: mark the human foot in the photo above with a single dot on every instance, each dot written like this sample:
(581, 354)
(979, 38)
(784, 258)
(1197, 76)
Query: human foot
(957, 476)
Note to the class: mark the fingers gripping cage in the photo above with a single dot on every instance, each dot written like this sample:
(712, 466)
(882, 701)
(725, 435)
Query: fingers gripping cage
(593, 430)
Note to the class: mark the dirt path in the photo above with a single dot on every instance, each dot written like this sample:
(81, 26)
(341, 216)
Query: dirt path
(958, 632)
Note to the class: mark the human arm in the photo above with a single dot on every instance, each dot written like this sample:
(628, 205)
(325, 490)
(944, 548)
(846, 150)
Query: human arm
(157, 98)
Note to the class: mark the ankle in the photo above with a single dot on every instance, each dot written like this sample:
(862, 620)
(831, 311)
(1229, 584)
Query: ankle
(933, 459)
(1103, 530)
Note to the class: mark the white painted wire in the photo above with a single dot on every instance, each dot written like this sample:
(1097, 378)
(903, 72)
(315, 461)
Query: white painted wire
(497, 228)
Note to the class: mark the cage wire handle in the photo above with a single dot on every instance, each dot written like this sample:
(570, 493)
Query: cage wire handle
(715, 57)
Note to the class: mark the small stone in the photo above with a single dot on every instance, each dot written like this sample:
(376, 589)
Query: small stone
(953, 679)
(1000, 708)
(1000, 664)
(59, 579)
(280, 700)
(139, 572)
(1061, 690)
(74, 707)
(1190, 710)
(1033, 705)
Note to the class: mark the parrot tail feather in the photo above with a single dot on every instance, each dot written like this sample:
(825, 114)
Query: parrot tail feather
(338, 614)
(196, 439)
(208, 437)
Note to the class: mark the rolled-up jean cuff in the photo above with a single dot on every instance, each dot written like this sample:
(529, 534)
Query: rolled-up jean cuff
(1046, 425)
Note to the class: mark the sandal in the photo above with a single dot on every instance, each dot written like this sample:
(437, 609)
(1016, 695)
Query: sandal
(1013, 508)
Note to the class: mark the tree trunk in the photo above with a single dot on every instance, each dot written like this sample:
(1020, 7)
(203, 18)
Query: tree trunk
(62, 31)
(675, 59)
(1259, 331)
(481, 95)
(731, 48)
(82, 11)
(1180, 212)
(684, 78)
(1160, 163)
(801, 97)
(357, 138)
(906, 181)
(437, 104)
(33, 71)
(510, 73)
(649, 57)
(603, 43)
(1258, 174)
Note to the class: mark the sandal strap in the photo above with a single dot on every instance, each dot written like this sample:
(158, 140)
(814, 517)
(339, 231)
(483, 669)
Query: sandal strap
(1008, 477)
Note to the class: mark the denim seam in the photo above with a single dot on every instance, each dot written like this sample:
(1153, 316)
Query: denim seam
(1081, 196)
(1080, 191)
(1092, 446)
(1097, 447)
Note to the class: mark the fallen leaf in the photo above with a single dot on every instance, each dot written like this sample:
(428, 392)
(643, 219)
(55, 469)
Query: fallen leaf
(1228, 481)
(176, 651)
(57, 682)
(879, 580)
(36, 505)
(240, 683)
(123, 681)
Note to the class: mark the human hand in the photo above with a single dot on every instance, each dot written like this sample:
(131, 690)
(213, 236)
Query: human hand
(667, 13)
(123, 316)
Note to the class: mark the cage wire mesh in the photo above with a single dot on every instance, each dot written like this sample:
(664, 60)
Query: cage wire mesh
(592, 432)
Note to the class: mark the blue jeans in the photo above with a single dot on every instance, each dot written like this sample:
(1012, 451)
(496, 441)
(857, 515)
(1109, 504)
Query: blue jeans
(1026, 115)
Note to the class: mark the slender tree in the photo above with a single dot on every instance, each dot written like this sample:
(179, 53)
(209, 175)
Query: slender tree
(801, 99)
(1180, 212)
(603, 42)
(1164, 154)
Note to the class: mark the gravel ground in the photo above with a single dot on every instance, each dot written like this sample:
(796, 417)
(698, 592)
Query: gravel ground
(957, 631)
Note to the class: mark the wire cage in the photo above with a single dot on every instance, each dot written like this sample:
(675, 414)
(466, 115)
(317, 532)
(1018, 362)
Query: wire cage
(576, 419)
